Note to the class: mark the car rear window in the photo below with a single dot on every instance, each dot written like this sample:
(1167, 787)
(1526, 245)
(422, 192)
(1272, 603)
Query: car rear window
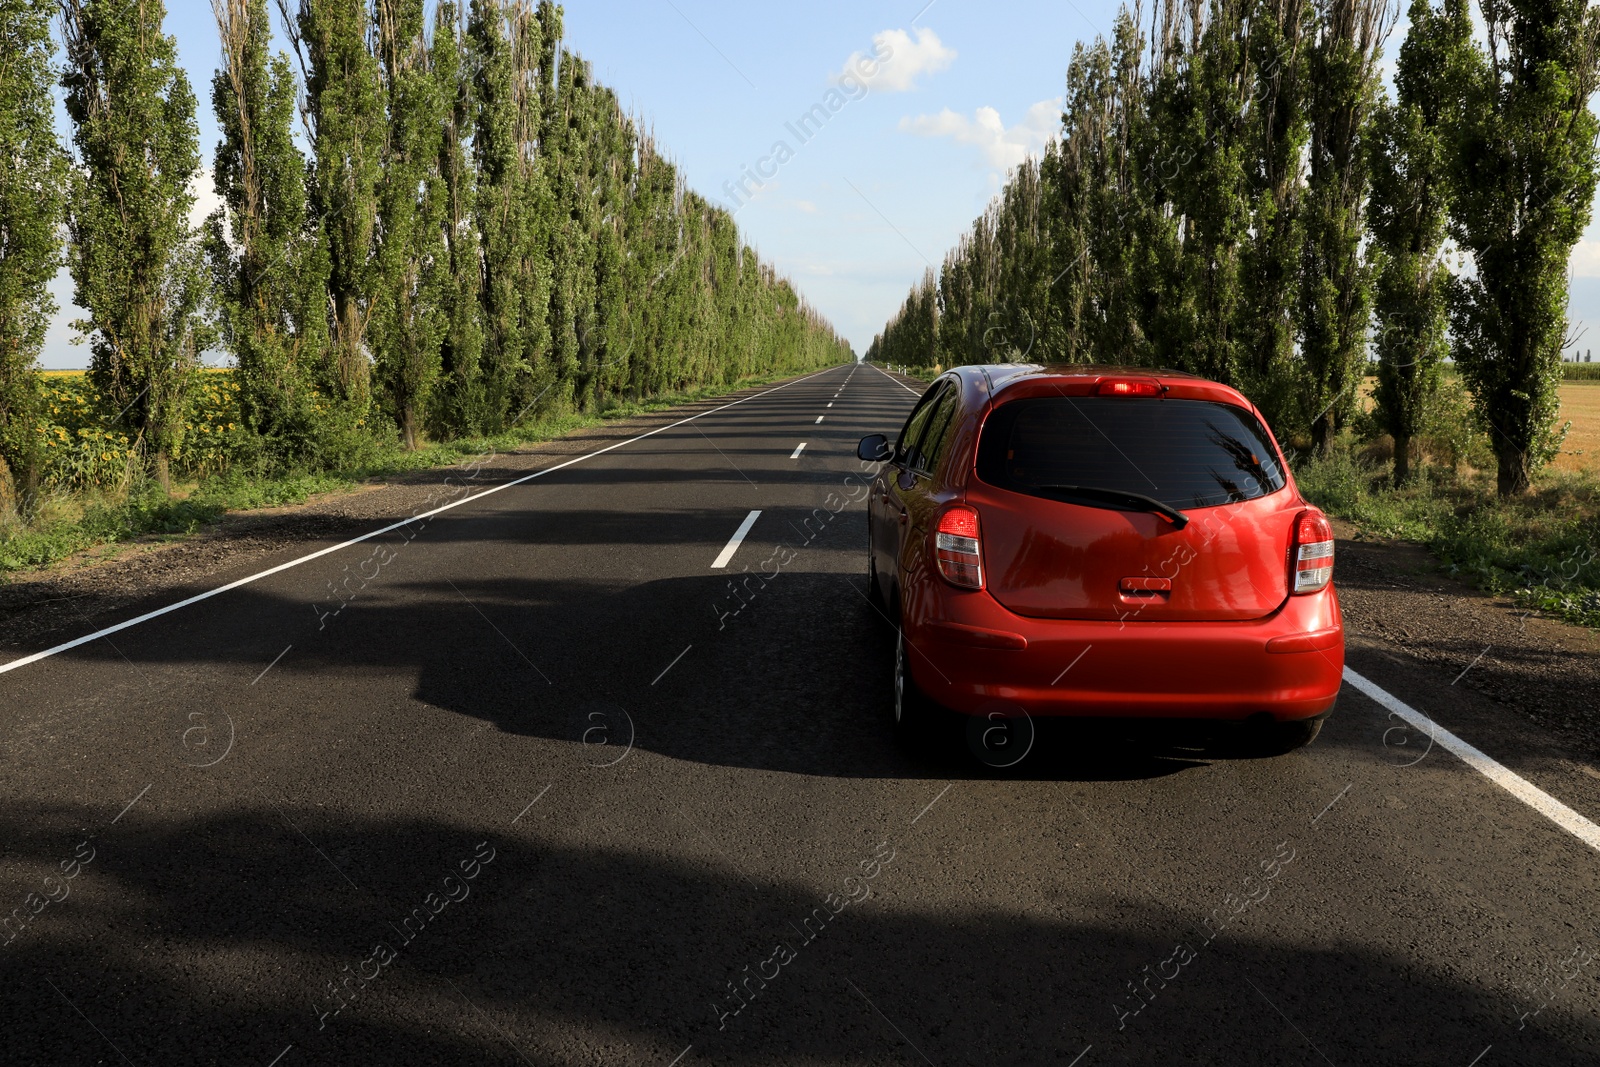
(1184, 453)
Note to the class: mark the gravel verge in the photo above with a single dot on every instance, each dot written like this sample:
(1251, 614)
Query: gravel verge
(1539, 669)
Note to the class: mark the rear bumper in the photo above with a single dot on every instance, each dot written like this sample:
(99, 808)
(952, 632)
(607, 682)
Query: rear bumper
(973, 656)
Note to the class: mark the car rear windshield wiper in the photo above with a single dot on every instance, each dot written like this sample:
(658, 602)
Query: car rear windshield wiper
(1094, 497)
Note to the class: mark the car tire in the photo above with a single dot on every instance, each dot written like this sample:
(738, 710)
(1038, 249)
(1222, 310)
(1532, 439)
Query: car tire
(874, 594)
(1281, 738)
(912, 710)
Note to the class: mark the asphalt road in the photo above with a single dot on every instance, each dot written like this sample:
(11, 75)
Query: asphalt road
(527, 782)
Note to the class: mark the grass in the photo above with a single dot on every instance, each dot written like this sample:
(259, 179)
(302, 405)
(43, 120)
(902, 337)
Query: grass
(1540, 550)
(69, 523)
(921, 374)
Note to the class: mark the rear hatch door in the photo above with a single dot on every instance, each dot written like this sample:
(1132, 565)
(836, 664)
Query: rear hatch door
(1060, 541)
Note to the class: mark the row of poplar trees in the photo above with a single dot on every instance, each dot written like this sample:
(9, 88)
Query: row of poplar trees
(473, 230)
(1235, 193)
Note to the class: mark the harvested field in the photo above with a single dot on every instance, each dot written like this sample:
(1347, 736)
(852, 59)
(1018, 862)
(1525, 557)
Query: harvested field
(1580, 402)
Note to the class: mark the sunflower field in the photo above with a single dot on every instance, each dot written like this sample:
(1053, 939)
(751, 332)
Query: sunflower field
(82, 447)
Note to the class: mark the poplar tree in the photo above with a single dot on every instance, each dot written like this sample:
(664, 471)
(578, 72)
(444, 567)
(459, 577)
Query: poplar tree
(506, 45)
(459, 399)
(134, 257)
(570, 138)
(1022, 299)
(957, 299)
(33, 175)
(1106, 204)
(1071, 182)
(1521, 160)
(1335, 283)
(612, 175)
(1407, 218)
(408, 322)
(345, 114)
(269, 282)
(1278, 125)
(474, 206)
(536, 60)
(657, 246)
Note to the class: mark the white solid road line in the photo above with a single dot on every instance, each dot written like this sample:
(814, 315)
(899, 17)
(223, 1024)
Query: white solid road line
(308, 557)
(796, 453)
(1513, 783)
(733, 544)
(902, 385)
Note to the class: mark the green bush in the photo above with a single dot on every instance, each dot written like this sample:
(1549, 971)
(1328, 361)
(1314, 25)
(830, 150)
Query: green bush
(1453, 434)
(1542, 550)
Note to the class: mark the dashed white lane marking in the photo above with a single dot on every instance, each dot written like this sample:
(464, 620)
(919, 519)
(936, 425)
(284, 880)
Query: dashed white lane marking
(819, 418)
(830, 403)
(1537, 799)
(733, 544)
(796, 453)
(308, 557)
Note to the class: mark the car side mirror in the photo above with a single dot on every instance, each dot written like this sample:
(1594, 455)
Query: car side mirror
(874, 448)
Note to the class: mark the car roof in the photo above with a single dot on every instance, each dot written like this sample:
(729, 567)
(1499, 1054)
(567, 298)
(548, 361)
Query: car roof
(1000, 380)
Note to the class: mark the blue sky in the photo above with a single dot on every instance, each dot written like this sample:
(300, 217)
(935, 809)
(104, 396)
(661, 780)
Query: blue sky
(853, 208)
(896, 173)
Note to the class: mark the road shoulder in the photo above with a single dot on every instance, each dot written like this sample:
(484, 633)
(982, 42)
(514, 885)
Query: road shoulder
(1523, 688)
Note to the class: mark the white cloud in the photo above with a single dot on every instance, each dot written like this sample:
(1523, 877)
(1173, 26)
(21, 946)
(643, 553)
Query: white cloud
(203, 187)
(805, 205)
(1585, 261)
(1003, 147)
(896, 61)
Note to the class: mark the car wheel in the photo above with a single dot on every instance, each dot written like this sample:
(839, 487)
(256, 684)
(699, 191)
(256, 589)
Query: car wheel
(874, 594)
(912, 709)
(1281, 738)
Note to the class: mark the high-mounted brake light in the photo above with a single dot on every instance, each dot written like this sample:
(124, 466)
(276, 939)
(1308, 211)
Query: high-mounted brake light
(957, 547)
(1127, 387)
(1311, 557)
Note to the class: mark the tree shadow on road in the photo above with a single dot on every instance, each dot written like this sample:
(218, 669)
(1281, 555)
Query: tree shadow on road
(226, 939)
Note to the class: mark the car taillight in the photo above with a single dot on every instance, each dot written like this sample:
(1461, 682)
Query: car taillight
(1127, 387)
(957, 547)
(1311, 558)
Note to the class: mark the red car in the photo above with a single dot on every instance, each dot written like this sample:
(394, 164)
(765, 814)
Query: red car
(1101, 542)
